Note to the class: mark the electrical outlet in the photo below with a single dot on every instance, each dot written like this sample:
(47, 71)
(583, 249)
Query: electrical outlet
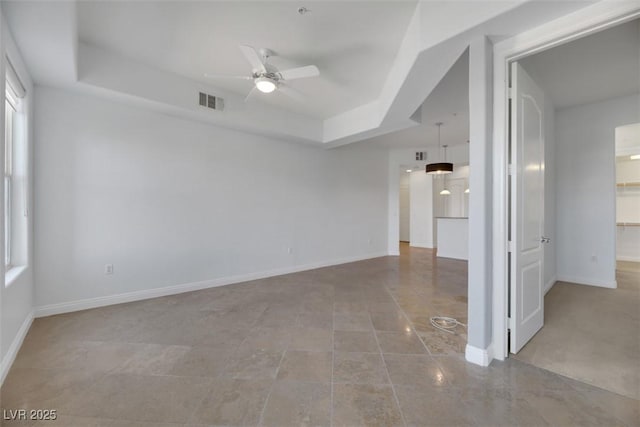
(289, 250)
(594, 258)
(108, 269)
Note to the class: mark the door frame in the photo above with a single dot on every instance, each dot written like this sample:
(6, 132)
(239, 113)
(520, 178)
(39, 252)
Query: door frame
(591, 19)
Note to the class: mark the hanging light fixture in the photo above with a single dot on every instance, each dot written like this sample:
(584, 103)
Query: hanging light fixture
(445, 191)
(440, 168)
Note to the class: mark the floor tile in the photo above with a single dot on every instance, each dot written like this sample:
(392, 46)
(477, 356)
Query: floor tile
(352, 322)
(359, 368)
(311, 339)
(587, 326)
(564, 408)
(315, 319)
(298, 403)
(264, 350)
(439, 342)
(140, 398)
(85, 355)
(433, 406)
(27, 388)
(153, 359)
(202, 362)
(63, 420)
(232, 402)
(268, 339)
(312, 366)
(414, 370)
(355, 341)
(400, 342)
(351, 308)
(256, 365)
(365, 405)
(391, 322)
(499, 407)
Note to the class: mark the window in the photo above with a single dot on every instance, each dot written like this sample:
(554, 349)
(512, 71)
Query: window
(15, 177)
(10, 106)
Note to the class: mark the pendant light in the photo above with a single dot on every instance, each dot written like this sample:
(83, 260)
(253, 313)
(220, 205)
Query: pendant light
(440, 168)
(445, 191)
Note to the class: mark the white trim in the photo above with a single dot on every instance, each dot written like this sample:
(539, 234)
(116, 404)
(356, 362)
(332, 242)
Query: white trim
(627, 258)
(549, 284)
(478, 356)
(588, 20)
(588, 281)
(8, 359)
(84, 304)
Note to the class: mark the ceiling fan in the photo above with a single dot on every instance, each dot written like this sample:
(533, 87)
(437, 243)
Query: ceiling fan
(268, 78)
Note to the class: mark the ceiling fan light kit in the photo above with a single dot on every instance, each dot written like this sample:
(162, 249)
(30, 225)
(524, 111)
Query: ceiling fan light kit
(265, 84)
(440, 168)
(265, 76)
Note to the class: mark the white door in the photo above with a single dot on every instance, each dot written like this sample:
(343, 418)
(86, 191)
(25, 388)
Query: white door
(527, 209)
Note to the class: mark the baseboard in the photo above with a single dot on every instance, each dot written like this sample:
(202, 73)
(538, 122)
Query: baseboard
(587, 281)
(85, 304)
(8, 359)
(422, 245)
(478, 356)
(627, 258)
(549, 284)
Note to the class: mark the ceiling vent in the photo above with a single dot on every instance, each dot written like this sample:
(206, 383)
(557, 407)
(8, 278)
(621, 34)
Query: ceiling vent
(421, 155)
(210, 101)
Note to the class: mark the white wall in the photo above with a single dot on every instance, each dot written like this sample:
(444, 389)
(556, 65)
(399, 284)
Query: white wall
(586, 192)
(405, 207)
(421, 213)
(16, 299)
(457, 203)
(481, 212)
(550, 189)
(169, 201)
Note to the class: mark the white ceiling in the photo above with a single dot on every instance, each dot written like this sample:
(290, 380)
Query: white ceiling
(594, 68)
(448, 103)
(353, 43)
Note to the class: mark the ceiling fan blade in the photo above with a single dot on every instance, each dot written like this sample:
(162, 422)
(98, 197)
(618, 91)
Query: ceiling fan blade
(224, 76)
(292, 93)
(300, 72)
(253, 57)
(251, 92)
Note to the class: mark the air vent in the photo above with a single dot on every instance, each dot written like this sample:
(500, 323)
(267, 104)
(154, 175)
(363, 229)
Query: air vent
(421, 155)
(210, 101)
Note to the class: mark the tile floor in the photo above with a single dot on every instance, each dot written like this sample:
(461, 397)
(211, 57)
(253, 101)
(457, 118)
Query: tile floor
(348, 345)
(592, 334)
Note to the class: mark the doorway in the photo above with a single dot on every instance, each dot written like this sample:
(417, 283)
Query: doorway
(566, 103)
(405, 206)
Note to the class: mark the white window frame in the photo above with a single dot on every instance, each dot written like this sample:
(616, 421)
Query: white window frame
(11, 107)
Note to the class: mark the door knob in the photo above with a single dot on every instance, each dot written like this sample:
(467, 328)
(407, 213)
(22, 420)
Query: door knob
(545, 239)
